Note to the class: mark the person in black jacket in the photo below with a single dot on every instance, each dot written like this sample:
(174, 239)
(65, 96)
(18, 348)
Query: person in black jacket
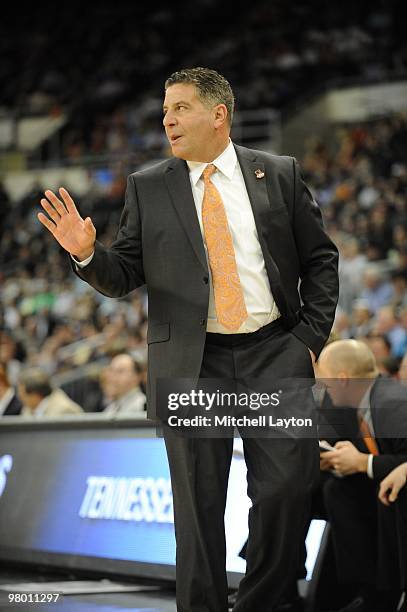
(242, 283)
(393, 492)
(364, 532)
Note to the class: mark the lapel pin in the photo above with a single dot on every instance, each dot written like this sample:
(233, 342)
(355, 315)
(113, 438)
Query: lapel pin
(259, 173)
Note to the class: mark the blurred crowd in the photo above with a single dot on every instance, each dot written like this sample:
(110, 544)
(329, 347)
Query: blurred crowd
(106, 67)
(361, 187)
(51, 319)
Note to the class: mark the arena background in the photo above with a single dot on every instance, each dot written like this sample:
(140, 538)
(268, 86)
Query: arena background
(81, 106)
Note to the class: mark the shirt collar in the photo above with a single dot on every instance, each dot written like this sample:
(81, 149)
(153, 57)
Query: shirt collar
(364, 406)
(41, 408)
(6, 399)
(225, 163)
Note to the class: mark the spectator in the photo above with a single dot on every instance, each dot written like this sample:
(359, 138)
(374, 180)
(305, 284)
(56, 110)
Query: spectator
(377, 291)
(380, 347)
(402, 374)
(361, 319)
(10, 404)
(388, 325)
(121, 385)
(399, 282)
(40, 399)
(352, 265)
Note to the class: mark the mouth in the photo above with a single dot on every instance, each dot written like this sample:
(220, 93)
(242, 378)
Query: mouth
(174, 139)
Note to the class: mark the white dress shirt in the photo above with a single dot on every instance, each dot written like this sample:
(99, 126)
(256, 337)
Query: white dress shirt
(229, 181)
(6, 399)
(365, 411)
(129, 405)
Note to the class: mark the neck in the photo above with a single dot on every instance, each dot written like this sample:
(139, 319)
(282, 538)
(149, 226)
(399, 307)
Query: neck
(222, 146)
(359, 389)
(214, 150)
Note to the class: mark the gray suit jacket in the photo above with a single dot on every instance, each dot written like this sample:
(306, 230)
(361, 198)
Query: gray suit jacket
(160, 243)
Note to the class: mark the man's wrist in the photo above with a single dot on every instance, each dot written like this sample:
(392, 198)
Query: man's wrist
(80, 257)
(363, 463)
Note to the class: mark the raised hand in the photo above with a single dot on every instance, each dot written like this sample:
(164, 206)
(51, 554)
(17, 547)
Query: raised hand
(74, 234)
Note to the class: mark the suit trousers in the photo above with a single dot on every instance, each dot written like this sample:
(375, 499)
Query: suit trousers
(281, 473)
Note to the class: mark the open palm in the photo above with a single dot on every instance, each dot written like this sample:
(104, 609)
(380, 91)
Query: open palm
(74, 234)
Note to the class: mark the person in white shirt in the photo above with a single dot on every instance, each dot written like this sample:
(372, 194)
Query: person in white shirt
(40, 399)
(122, 385)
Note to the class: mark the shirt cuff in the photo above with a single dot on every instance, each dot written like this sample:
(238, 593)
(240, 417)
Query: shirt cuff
(370, 466)
(85, 262)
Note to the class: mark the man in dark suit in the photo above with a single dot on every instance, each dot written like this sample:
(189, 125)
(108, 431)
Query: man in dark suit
(364, 532)
(222, 236)
(393, 493)
(10, 404)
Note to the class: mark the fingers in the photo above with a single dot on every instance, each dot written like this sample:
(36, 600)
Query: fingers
(56, 202)
(333, 458)
(55, 216)
(389, 490)
(68, 201)
(48, 224)
(383, 492)
(89, 227)
(57, 209)
(383, 498)
(343, 444)
(394, 492)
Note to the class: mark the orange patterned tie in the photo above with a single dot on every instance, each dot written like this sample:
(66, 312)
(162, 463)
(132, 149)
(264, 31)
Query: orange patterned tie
(369, 441)
(229, 299)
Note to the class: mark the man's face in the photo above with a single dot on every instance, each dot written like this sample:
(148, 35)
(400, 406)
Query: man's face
(334, 386)
(120, 377)
(30, 400)
(189, 124)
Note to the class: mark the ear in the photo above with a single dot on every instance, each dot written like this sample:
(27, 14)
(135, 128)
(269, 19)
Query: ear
(343, 378)
(221, 115)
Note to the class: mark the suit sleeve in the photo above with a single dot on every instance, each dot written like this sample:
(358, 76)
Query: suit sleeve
(318, 258)
(117, 270)
(390, 422)
(382, 465)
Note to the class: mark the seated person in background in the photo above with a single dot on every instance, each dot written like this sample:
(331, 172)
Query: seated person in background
(393, 491)
(10, 405)
(364, 533)
(391, 486)
(402, 373)
(40, 399)
(121, 383)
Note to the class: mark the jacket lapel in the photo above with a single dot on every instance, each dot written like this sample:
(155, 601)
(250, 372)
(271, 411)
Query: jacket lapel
(263, 216)
(179, 186)
(256, 187)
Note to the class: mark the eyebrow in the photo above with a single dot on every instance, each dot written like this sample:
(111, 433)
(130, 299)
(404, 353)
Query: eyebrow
(178, 102)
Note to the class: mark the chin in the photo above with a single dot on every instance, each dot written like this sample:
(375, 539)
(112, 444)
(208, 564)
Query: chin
(179, 152)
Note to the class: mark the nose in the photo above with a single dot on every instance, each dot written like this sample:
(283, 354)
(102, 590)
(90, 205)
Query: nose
(169, 119)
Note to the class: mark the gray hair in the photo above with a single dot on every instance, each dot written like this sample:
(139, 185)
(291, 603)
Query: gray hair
(212, 87)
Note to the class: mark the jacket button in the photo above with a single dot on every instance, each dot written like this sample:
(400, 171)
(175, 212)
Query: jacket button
(202, 322)
(206, 279)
